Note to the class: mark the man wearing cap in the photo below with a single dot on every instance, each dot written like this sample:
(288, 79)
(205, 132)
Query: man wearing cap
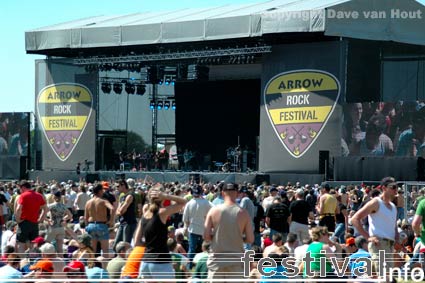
(382, 218)
(97, 221)
(109, 196)
(127, 214)
(228, 227)
(245, 202)
(48, 252)
(116, 264)
(350, 246)
(267, 202)
(31, 209)
(75, 270)
(38, 242)
(194, 215)
(43, 269)
(362, 252)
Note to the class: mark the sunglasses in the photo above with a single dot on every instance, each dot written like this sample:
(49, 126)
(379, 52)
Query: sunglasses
(393, 187)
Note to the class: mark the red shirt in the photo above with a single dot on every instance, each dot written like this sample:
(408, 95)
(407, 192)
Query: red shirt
(31, 202)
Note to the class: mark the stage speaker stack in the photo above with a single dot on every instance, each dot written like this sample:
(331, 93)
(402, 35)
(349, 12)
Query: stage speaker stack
(92, 177)
(324, 163)
(420, 169)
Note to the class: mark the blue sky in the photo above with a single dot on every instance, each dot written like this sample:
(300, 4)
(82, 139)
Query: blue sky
(17, 72)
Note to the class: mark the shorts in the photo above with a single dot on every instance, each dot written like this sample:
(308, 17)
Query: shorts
(385, 245)
(55, 233)
(235, 271)
(27, 231)
(328, 221)
(150, 270)
(98, 231)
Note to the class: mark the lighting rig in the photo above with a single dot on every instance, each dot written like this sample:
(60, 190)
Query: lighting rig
(131, 86)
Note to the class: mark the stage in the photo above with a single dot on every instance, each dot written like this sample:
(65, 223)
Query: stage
(181, 177)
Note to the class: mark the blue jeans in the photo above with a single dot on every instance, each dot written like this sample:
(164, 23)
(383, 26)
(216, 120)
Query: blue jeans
(257, 239)
(98, 231)
(340, 232)
(125, 233)
(195, 243)
(150, 270)
(400, 213)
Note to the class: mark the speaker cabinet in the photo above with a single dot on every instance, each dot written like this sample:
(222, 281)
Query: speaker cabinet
(91, 178)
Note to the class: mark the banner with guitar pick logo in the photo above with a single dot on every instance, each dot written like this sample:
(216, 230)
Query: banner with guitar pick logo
(64, 110)
(298, 104)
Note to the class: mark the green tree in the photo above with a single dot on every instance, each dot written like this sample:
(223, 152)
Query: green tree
(134, 141)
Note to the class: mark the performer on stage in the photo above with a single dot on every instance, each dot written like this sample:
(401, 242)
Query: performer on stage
(187, 157)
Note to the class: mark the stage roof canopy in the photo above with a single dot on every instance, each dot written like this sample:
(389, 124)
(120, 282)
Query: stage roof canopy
(332, 17)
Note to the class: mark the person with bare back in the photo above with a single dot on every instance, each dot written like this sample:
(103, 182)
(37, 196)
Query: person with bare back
(96, 219)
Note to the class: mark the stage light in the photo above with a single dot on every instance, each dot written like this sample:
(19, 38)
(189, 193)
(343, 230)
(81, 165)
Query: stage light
(117, 88)
(166, 104)
(167, 81)
(152, 105)
(160, 82)
(173, 82)
(159, 105)
(173, 105)
(140, 89)
(130, 88)
(106, 87)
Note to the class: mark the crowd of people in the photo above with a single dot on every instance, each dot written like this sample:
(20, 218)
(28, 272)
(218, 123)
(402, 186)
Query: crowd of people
(129, 229)
(383, 129)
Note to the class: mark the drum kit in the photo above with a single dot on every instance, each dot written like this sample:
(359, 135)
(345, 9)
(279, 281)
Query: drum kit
(233, 163)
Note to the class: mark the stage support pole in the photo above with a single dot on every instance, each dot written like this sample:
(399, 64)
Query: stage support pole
(154, 118)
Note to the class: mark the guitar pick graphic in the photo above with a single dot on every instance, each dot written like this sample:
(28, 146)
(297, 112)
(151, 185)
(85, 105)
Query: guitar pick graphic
(299, 104)
(64, 110)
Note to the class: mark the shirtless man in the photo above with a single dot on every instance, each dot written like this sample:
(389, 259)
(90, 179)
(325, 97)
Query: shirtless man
(95, 217)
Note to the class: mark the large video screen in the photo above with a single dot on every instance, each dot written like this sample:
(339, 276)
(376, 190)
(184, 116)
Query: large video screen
(14, 131)
(384, 129)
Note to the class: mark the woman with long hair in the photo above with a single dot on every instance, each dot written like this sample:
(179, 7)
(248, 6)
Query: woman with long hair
(152, 230)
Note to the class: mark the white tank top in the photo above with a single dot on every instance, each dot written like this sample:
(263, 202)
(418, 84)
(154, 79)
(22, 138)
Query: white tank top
(382, 223)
